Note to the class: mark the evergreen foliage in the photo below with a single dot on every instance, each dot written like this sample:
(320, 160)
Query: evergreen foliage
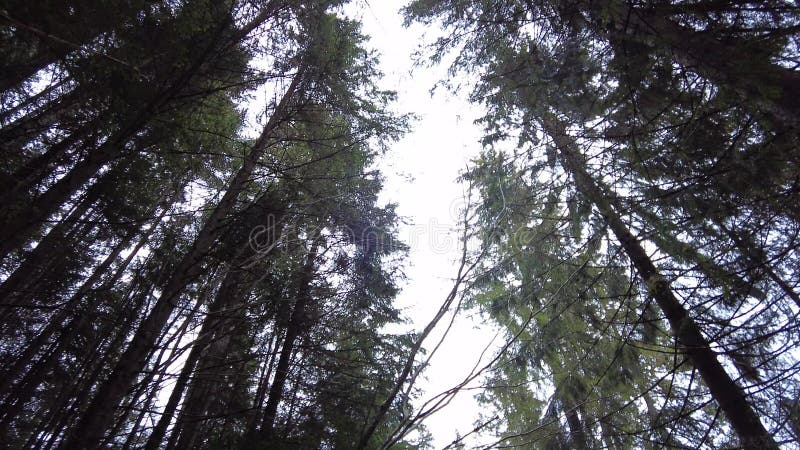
(180, 271)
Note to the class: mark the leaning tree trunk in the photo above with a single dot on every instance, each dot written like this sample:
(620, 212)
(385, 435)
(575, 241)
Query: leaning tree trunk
(33, 348)
(730, 397)
(293, 330)
(52, 48)
(22, 183)
(26, 216)
(213, 323)
(212, 353)
(235, 286)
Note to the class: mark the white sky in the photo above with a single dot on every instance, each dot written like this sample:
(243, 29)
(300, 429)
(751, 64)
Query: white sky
(421, 173)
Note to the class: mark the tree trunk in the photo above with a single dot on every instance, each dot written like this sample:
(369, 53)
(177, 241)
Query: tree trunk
(94, 422)
(51, 46)
(730, 397)
(205, 384)
(234, 287)
(23, 220)
(34, 172)
(294, 328)
(57, 321)
(576, 428)
(214, 322)
(15, 135)
(258, 401)
(30, 102)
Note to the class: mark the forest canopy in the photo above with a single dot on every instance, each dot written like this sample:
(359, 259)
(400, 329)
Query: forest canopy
(174, 277)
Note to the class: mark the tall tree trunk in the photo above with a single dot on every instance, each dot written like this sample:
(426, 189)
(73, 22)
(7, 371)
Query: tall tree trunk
(258, 401)
(75, 393)
(294, 328)
(225, 299)
(15, 135)
(729, 396)
(56, 322)
(67, 331)
(668, 243)
(95, 420)
(173, 356)
(160, 366)
(17, 227)
(34, 172)
(235, 286)
(205, 386)
(51, 47)
(30, 102)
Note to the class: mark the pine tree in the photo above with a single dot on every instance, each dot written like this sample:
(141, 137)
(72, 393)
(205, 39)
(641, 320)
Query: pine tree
(615, 94)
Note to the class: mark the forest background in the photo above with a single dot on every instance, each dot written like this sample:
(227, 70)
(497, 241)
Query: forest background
(201, 247)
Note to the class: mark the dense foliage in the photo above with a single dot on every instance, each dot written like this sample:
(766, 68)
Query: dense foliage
(186, 266)
(170, 279)
(639, 190)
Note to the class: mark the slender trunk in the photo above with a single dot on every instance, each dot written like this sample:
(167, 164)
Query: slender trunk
(7, 115)
(23, 182)
(160, 366)
(56, 322)
(14, 75)
(15, 135)
(217, 326)
(25, 217)
(261, 393)
(74, 394)
(94, 422)
(730, 397)
(290, 424)
(293, 330)
(174, 353)
(225, 299)
(610, 435)
(18, 226)
(24, 220)
(203, 390)
(50, 48)
(87, 382)
(576, 428)
(71, 401)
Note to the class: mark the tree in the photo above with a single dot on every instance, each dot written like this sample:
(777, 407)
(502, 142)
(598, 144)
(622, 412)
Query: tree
(605, 86)
(150, 239)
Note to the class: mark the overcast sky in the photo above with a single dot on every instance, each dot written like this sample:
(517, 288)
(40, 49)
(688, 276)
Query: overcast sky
(421, 172)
